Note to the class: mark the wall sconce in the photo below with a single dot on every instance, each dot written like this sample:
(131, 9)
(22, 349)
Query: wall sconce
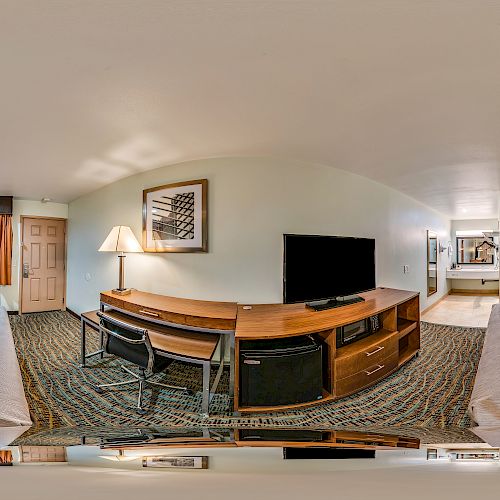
(448, 247)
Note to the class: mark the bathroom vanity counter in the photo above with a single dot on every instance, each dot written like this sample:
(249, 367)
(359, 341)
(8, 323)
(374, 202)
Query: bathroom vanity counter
(473, 274)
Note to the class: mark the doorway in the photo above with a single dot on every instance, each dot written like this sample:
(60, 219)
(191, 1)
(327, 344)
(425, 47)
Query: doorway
(43, 264)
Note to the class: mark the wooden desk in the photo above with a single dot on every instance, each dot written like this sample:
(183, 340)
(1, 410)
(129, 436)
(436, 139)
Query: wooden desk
(265, 438)
(91, 320)
(287, 320)
(193, 314)
(348, 369)
(181, 329)
(169, 340)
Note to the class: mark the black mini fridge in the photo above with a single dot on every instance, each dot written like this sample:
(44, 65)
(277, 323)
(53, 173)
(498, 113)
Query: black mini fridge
(280, 372)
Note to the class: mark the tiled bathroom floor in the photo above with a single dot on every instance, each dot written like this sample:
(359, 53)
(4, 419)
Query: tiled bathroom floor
(462, 310)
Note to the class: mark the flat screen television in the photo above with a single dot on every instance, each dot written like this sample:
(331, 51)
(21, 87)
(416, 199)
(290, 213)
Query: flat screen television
(325, 269)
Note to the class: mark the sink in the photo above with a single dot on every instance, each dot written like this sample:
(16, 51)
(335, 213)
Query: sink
(473, 274)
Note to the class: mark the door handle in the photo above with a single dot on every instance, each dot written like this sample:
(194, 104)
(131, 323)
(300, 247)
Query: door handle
(26, 270)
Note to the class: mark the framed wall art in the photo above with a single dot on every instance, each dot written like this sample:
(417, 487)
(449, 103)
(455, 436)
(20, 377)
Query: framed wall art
(174, 217)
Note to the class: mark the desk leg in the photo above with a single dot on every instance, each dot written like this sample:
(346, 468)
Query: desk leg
(223, 349)
(231, 365)
(101, 341)
(220, 371)
(101, 335)
(205, 403)
(82, 340)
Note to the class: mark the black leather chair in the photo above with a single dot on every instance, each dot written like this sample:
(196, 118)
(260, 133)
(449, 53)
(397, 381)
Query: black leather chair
(132, 344)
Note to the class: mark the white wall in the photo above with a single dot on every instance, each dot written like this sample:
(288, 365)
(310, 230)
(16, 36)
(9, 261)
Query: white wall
(249, 474)
(252, 202)
(473, 224)
(9, 295)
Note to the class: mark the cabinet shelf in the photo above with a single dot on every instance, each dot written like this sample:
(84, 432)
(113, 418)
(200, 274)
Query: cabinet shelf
(346, 369)
(406, 355)
(405, 326)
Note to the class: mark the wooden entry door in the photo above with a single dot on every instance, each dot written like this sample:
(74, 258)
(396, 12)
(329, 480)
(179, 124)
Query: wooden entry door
(42, 454)
(43, 264)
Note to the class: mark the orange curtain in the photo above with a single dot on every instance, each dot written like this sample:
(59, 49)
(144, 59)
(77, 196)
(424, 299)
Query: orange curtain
(5, 457)
(5, 249)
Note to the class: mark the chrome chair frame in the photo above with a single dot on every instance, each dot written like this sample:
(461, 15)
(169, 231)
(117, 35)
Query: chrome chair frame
(145, 374)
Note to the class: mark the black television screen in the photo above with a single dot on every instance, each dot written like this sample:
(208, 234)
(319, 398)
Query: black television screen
(324, 267)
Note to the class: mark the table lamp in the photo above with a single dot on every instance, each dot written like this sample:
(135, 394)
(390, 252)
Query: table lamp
(121, 239)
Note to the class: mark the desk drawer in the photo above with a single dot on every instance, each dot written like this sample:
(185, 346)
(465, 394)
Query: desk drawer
(149, 313)
(367, 357)
(366, 377)
(174, 318)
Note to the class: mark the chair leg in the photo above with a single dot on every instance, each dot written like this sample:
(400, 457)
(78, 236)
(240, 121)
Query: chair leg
(185, 389)
(143, 380)
(116, 384)
(140, 409)
(125, 369)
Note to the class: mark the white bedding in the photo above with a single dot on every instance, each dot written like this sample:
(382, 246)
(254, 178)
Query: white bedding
(9, 434)
(484, 404)
(14, 409)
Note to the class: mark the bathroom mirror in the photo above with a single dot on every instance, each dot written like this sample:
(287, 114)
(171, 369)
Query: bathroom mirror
(432, 254)
(475, 250)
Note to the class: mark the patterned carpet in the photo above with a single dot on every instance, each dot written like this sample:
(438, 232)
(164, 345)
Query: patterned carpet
(430, 391)
(72, 436)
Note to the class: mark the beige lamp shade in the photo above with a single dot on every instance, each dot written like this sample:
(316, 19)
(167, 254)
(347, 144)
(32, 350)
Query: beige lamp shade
(121, 239)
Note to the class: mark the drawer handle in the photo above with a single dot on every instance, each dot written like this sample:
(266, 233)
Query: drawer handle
(378, 349)
(376, 370)
(149, 313)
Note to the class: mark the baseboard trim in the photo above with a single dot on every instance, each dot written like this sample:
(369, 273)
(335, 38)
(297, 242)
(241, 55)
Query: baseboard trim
(73, 313)
(458, 291)
(427, 309)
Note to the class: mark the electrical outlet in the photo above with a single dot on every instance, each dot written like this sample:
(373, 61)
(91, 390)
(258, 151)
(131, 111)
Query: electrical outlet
(406, 269)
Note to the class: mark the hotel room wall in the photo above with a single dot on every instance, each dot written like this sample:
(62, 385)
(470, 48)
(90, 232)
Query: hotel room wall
(250, 473)
(252, 202)
(9, 295)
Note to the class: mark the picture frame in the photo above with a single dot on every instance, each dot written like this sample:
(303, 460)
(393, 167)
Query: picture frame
(175, 217)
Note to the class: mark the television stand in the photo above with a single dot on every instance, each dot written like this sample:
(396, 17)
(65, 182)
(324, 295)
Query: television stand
(347, 369)
(332, 303)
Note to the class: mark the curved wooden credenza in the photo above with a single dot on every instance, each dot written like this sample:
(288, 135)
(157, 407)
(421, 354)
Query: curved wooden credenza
(348, 369)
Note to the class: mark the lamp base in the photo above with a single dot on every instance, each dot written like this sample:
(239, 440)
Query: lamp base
(123, 291)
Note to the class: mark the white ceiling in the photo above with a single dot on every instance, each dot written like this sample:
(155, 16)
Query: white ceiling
(405, 92)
